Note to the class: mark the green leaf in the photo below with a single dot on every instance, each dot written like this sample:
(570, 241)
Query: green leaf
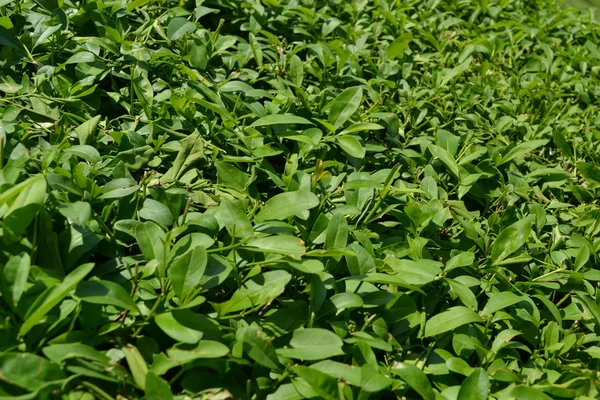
(342, 301)
(446, 158)
(229, 175)
(324, 385)
(312, 344)
(337, 232)
(256, 292)
(190, 152)
(562, 143)
(416, 273)
(205, 349)
(178, 27)
(456, 71)
(181, 325)
(187, 270)
(156, 211)
(361, 127)
(143, 89)
(466, 296)
(23, 203)
(415, 378)
(86, 131)
(85, 152)
(8, 39)
(77, 213)
(137, 365)
(13, 278)
(118, 188)
(499, 301)
(351, 145)
(527, 392)
(344, 106)
(589, 172)
(286, 245)
(288, 204)
(522, 149)
(28, 371)
(157, 388)
(280, 119)
(511, 239)
(397, 47)
(475, 387)
(52, 297)
(450, 320)
(151, 240)
(105, 292)
(60, 352)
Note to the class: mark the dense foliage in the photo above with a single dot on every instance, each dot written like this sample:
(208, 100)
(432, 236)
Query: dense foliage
(290, 199)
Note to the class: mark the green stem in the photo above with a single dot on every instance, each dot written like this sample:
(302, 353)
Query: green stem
(150, 315)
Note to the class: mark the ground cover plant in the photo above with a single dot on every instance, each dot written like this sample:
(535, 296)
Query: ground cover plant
(289, 199)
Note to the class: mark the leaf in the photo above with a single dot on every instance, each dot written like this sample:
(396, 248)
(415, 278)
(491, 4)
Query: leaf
(342, 301)
(465, 294)
(324, 385)
(351, 145)
(511, 239)
(499, 301)
(181, 325)
(337, 232)
(522, 149)
(85, 152)
(280, 119)
(151, 240)
(24, 202)
(590, 305)
(256, 292)
(312, 344)
(396, 48)
(589, 172)
(105, 292)
(229, 175)
(52, 297)
(118, 188)
(527, 392)
(13, 278)
(450, 320)
(28, 371)
(60, 352)
(86, 131)
(344, 106)
(286, 245)
(234, 219)
(415, 378)
(137, 365)
(288, 204)
(361, 127)
(157, 388)
(475, 387)
(456, 71)
(8, 39)
(178, 27)
(186, 271)
(259, 347)
(446, 158)
(562, 143)
(415, 272)
(205, 349)
(77, 213)
(156, 211)
(190, 152)
(143, 89)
